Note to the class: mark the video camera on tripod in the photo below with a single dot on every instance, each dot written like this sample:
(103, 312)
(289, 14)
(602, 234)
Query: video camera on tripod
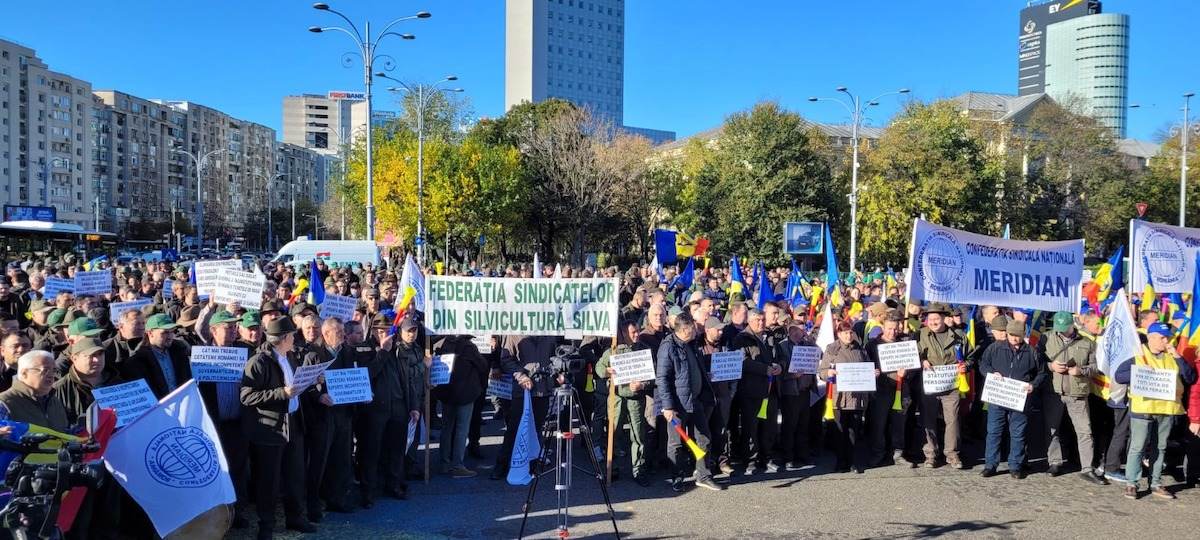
(567, 361)
(37, 489)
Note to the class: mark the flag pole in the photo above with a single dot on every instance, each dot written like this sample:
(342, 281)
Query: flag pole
(425, 415)
(612, 415)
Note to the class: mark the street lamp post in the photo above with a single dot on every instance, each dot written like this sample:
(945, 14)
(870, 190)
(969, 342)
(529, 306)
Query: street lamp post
(855, 108)
(1183, 154)
(198, 162)
(270, 205)
(367, 51)
(423, 93)
(344, 158)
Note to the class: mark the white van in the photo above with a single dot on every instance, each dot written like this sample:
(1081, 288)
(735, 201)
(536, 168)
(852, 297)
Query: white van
(340, 252)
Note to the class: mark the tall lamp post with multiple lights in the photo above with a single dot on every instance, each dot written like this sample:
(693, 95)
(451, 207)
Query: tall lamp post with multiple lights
(367, 51)
(422, 93)
(855, 107)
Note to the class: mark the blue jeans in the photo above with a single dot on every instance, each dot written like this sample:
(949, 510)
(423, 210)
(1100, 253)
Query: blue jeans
(1139, 431)
(456, 425)
(1017, 421)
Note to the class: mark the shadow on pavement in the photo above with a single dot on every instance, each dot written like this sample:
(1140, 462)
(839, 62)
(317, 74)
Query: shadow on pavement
(928, 530)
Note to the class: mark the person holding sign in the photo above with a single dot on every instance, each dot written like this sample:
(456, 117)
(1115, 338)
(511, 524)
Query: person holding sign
(1010, 359)
(794, 391)
(163, 360)
(1070, 352)
(849, 406)
(468, 381)
(86, 373)
(891, 409)
(629, 403)
(327, 426)
(272, 423)
(223, 402)
(398, 385)
(716, 340)
(1153, 416)
(937, 344)
(683, 392)
(754, 389)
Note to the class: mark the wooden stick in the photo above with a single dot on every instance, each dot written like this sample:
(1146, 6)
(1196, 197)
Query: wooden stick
(612, 415)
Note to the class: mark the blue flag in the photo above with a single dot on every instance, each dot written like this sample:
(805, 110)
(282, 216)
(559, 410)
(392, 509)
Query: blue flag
(526, 447)
(316, 287)
(688, 276)
(738, 284)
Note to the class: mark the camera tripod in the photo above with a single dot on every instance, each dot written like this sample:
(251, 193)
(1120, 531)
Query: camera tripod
(564, 416)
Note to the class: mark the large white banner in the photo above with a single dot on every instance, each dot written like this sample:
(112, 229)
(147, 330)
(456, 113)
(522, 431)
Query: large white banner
(524, 307)
(1120, 341)
(1163, 254)
(953, 266)
(208, 274)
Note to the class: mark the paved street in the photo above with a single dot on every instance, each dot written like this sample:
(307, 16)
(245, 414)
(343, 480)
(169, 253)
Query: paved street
(891, 502)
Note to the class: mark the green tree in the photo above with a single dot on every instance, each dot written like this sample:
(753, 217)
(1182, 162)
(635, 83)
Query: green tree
(929, 162)
(766, 169)
(1160, 188)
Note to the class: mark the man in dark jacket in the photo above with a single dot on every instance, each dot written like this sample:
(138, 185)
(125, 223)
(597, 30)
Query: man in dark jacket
(885, 419)
(329, 427)
(163, 360)
(527, 359)
(757, 384)
(223, 402)
(468, 381)
(397, 385)
(1011, 359)
(272, 423)
(684, 394)
(87, 373)
(131, 329)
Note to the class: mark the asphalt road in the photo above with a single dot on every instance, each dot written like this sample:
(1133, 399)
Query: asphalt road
(889, 502)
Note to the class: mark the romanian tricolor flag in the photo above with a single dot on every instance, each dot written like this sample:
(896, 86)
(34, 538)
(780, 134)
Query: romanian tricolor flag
(94, 263)
(1189, 335)
(1109, 278)
(738, 285)
(671, 246)
(891, 280)
(297, 291)
(832, 287)
(971, 328)
(695, 448)
(402, 307)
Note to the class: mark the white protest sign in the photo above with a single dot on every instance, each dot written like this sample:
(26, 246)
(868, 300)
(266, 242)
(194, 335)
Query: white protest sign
(218, 364)
(939, 379)
(522, 307)
(338, 307)
(633, 366)
(804, 359)
(208, 274)
(350, 385)
(1162, 255)
(439, 371)
(168, 289)
(245, 288)
(115, 310)
(129, 400)
(483, 343)
(1151, 383)
(855, 376)
(727, 366)
(306, 375)
(898, 355)
(93, 283)
(56, 284)
(958, 267)
(1004, 392)
(501, 388)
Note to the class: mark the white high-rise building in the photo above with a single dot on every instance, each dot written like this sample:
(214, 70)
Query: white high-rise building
(572, 50)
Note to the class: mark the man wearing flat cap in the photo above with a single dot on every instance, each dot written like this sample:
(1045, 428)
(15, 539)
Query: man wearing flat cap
(397, 374)
(272, 424)
(1010, 359)
(940, 345)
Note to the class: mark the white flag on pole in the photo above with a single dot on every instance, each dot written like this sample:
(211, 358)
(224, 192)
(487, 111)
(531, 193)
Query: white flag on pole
(825, 333)
(537, 267)
(557, 271)
(412, 276)
(171, 462)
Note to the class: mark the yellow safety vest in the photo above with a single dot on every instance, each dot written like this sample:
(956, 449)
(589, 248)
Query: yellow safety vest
(1142, 405)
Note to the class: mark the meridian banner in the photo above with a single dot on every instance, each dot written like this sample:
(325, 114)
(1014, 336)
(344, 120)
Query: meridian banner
(1162, 256)
(525, 307)
(958, 267)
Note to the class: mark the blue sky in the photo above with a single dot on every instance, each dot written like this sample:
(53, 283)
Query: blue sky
(688, 64)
